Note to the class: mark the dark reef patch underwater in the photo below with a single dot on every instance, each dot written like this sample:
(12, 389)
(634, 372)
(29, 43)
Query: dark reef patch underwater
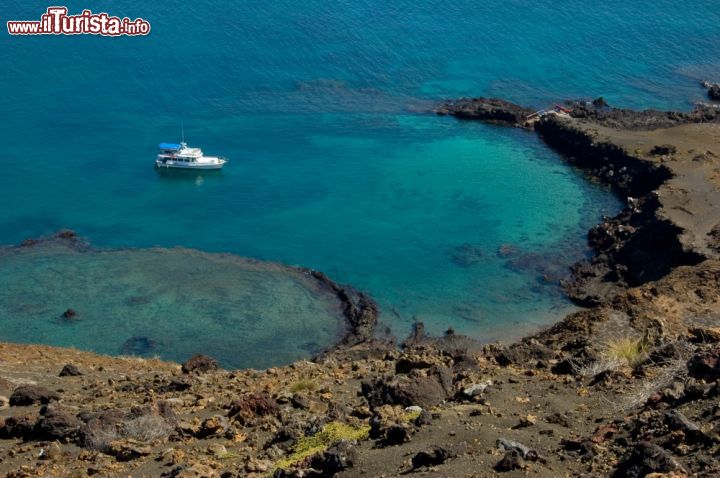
(172, 303)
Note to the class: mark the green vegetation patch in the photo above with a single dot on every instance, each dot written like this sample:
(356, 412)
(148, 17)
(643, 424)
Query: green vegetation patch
(331, 433)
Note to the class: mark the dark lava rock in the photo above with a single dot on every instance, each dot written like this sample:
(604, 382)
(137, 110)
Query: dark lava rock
(432, 457)
(416, 388)
(714, 91)
(200, 364)
(600, 102)
(491, 110)
(70, 370)
(331, 462)
(425, 418)
(396, 435)
(529, 350)
(176, 384)
(647, 458)
(406, 365)
(675, 420)
(705, 364)
(248, 408)
(18, 426)
(30, 394)
(66, 234)
(55, 423)
(664, 149)
(643, 120)
(512, 460)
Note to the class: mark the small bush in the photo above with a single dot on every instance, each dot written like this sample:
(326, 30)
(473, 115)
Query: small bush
(146, 428)
(100, 438)
(631, 352)
(303, 385)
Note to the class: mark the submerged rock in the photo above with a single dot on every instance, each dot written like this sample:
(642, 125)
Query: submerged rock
(138, 345)
(465, 255)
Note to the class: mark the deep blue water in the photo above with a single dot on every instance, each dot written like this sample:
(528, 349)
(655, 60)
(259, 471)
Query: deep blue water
(336, 164)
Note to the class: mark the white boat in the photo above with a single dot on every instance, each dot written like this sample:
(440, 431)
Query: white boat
(180, 156)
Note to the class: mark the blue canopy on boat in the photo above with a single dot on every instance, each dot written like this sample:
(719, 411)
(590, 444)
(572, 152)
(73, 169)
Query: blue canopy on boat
(170, 146)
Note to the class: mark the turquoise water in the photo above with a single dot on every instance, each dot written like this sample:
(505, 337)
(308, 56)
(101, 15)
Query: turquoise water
(170, 303)
(335, 163)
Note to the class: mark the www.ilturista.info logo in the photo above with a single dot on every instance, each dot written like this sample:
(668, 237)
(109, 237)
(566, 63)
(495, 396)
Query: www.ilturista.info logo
(56, 21)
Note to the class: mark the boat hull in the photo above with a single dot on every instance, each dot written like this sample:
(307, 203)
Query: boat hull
(190, 166)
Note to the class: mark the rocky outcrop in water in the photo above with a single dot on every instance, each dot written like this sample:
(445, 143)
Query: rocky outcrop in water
(491, 110)
(713, 90)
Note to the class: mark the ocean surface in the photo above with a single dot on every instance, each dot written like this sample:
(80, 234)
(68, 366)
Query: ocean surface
(336, 162)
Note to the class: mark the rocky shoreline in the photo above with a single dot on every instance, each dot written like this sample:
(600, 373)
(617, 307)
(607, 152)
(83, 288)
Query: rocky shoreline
(626, 387)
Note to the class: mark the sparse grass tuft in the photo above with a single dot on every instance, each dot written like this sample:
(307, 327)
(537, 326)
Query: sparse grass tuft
(145, 428)
(331, 433)
(631, 352)
(303, 385)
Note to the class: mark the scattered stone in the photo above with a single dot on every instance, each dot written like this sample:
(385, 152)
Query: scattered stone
(396, 435)
(603, 433)
(70, 370)
(526, 421)
(663, 150)
(647, 458)
(200, 364)
(337, 458)
(251, 407)
(477, 388)
(51, 452)
(213, 426)
(675, 420)
(425, 388)
(176, 384)
(705, 334)
(55, 423)
(127, 450)
(18, 426)
(300, 401)
(705, 364)
(26, 395)
(432, 457)
(512, 460)
(509, 445)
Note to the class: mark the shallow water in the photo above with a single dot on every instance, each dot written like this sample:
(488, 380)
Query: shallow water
(336, 165)
(171, 303)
